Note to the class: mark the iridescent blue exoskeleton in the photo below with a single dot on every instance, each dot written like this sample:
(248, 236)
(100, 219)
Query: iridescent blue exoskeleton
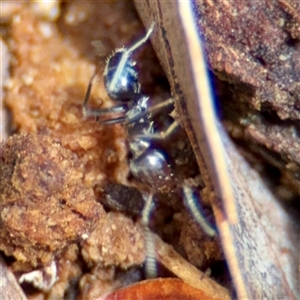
(148, 163)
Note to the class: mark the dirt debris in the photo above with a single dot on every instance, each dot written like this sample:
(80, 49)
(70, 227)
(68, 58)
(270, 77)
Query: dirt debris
(44, 203)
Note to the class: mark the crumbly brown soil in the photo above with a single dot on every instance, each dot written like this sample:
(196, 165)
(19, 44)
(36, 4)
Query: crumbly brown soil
(127, 249)
(48, 81)
(44, 204)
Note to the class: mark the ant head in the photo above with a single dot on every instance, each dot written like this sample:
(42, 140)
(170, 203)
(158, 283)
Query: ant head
(121, 77)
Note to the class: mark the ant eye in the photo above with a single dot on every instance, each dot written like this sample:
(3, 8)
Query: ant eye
(121, 78)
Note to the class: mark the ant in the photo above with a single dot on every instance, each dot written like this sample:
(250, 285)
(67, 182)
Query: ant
(149, 163)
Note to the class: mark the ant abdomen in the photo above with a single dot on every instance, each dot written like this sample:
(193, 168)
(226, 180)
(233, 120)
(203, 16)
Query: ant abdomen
(152, 168)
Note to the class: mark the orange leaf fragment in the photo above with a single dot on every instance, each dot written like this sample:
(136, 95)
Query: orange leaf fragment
(160, 288)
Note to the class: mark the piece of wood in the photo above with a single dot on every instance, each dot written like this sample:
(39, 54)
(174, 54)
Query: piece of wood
(174, 262)
(259, 238)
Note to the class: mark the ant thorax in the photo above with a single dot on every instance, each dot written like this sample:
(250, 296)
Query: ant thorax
(149, 161)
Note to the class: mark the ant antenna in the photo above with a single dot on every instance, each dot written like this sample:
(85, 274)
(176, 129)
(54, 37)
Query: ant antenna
(126, 54)
(142, 40)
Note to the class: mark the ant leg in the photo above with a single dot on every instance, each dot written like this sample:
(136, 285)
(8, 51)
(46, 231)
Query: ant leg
(192, 203)
(160, 105)
(150, 262)
(85, 110)
(141, 109)
(154, 109)
(159, 136)
(126, 55)
(142, 40)
(112, 120)
(165, 134)
(107, 114)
